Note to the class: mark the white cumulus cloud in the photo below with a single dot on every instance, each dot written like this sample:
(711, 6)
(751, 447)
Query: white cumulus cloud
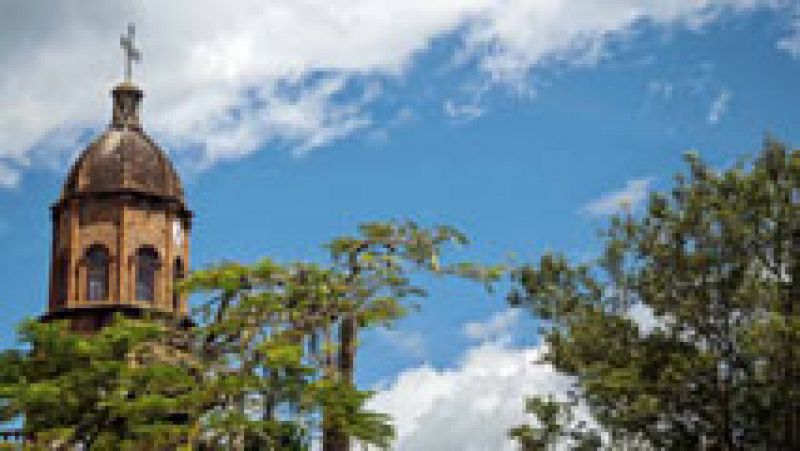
(469, 407)
(629, 198)
(719, 106)
(224, 79)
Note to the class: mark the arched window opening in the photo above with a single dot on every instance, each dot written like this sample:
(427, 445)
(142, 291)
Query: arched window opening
(97, 273)
(177, 276)
(62, 279)
(146, 267)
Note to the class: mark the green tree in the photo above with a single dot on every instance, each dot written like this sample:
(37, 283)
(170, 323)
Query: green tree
(112, 390)
(263, 386)
(716, 262)
(268, 365)
(376, 268)
(555, 424)
(311, 314)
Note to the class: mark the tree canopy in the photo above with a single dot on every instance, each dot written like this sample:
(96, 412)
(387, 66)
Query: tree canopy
(683, 335)
(268, 365)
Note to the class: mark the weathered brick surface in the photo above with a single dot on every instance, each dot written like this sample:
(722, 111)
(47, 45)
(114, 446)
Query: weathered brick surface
(122, 227)
(122, 194)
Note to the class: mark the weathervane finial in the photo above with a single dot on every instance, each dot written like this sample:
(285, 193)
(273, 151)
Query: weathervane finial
(131, 52)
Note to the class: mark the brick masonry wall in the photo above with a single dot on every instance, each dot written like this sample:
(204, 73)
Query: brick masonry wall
(122, 226)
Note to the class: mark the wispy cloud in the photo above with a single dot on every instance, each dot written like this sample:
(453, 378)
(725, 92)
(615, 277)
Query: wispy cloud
(9, 177)
(462, 112)
(791, 42)
(410, 342)
(718, 107)
(497, 328)
(379, 135)
(225, 80)
(661, 89)
(629, 198)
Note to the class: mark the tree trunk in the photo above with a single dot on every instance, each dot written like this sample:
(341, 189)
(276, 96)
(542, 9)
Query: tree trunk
(791, 432)
(335, 439)
(347, 351)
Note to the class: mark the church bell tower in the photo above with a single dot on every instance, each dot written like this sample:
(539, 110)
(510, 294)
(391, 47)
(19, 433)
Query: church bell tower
(121, 225)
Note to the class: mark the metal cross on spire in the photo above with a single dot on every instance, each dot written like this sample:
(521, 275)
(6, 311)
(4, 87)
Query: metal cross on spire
(131, 52)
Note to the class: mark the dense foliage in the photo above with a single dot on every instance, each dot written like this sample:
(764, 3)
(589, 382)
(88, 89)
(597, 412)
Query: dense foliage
(113, 390)
(685, 334)
(556, 425)
(269, 364)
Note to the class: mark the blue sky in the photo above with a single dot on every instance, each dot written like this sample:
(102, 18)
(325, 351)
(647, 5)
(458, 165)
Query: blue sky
(524, 141)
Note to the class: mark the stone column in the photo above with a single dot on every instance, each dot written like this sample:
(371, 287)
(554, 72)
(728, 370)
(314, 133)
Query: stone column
(54, 289)
(186, 231)
(122, 295)
(168, 269)
(74, 248)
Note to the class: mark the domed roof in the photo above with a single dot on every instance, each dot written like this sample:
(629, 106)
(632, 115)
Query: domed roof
(124, 158)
